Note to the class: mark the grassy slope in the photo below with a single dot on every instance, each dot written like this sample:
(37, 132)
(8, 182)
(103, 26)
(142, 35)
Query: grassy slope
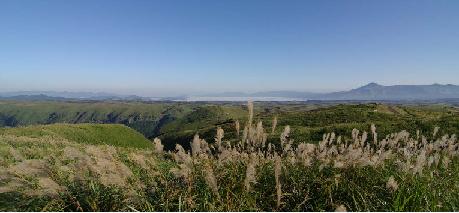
(310, 122)
(142, 117)
(111, 134)
(41, 112)
(167, 120)
(178, 122)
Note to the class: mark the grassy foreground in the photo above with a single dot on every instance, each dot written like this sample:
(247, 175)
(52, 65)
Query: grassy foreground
(358, 172)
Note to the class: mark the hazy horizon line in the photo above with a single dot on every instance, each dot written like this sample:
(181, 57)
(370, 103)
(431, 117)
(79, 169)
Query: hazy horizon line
(199, 92)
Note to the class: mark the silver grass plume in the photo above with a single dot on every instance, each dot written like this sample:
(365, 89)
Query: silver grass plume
(391, 184)
(211, 180)
(259, 133)
(196, 146)
(273, 127)
(355, 134)
(420, 162)
(341, 208)
(159, 147)
(181, 156)
(185, 163)
(277, 174)
(250, 109)
(436, 131)
(250, 174)
(218, 138)
(375, 135)
(284, 136)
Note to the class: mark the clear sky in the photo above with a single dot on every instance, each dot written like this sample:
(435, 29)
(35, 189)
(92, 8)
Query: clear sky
(177, 47)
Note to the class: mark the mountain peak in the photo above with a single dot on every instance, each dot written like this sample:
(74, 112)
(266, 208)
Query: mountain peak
(374, 91)
(371, 85)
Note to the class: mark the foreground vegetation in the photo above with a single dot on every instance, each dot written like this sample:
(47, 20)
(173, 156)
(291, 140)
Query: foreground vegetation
(246, 170)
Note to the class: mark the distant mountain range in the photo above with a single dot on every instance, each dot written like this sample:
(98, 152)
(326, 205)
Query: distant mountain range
(52, 95)
(372, 91)
(58, 94)
(369, 92)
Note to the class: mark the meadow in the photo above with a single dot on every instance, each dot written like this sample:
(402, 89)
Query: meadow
(365, 157)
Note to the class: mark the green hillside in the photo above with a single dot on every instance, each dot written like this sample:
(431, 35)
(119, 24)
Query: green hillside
(142, 117)
(178, 122)
(310, 122)
(341, 119)
(110, 134)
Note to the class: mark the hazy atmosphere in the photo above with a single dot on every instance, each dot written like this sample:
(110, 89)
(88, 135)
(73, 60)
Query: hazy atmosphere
(161, 48)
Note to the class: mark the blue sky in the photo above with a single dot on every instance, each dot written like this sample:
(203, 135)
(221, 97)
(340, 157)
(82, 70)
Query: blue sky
(177, 47)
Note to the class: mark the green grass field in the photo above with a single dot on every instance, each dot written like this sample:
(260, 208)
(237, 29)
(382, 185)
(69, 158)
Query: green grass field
(97, 134)
(178, 122)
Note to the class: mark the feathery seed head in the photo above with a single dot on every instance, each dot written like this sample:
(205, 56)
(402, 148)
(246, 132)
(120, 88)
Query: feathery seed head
(218, 138)
(341, 208)
(159, 147)
(273, 127)
(391, 184)
(196, 145)
(250, 109)
(250, 174)
(435, 131)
